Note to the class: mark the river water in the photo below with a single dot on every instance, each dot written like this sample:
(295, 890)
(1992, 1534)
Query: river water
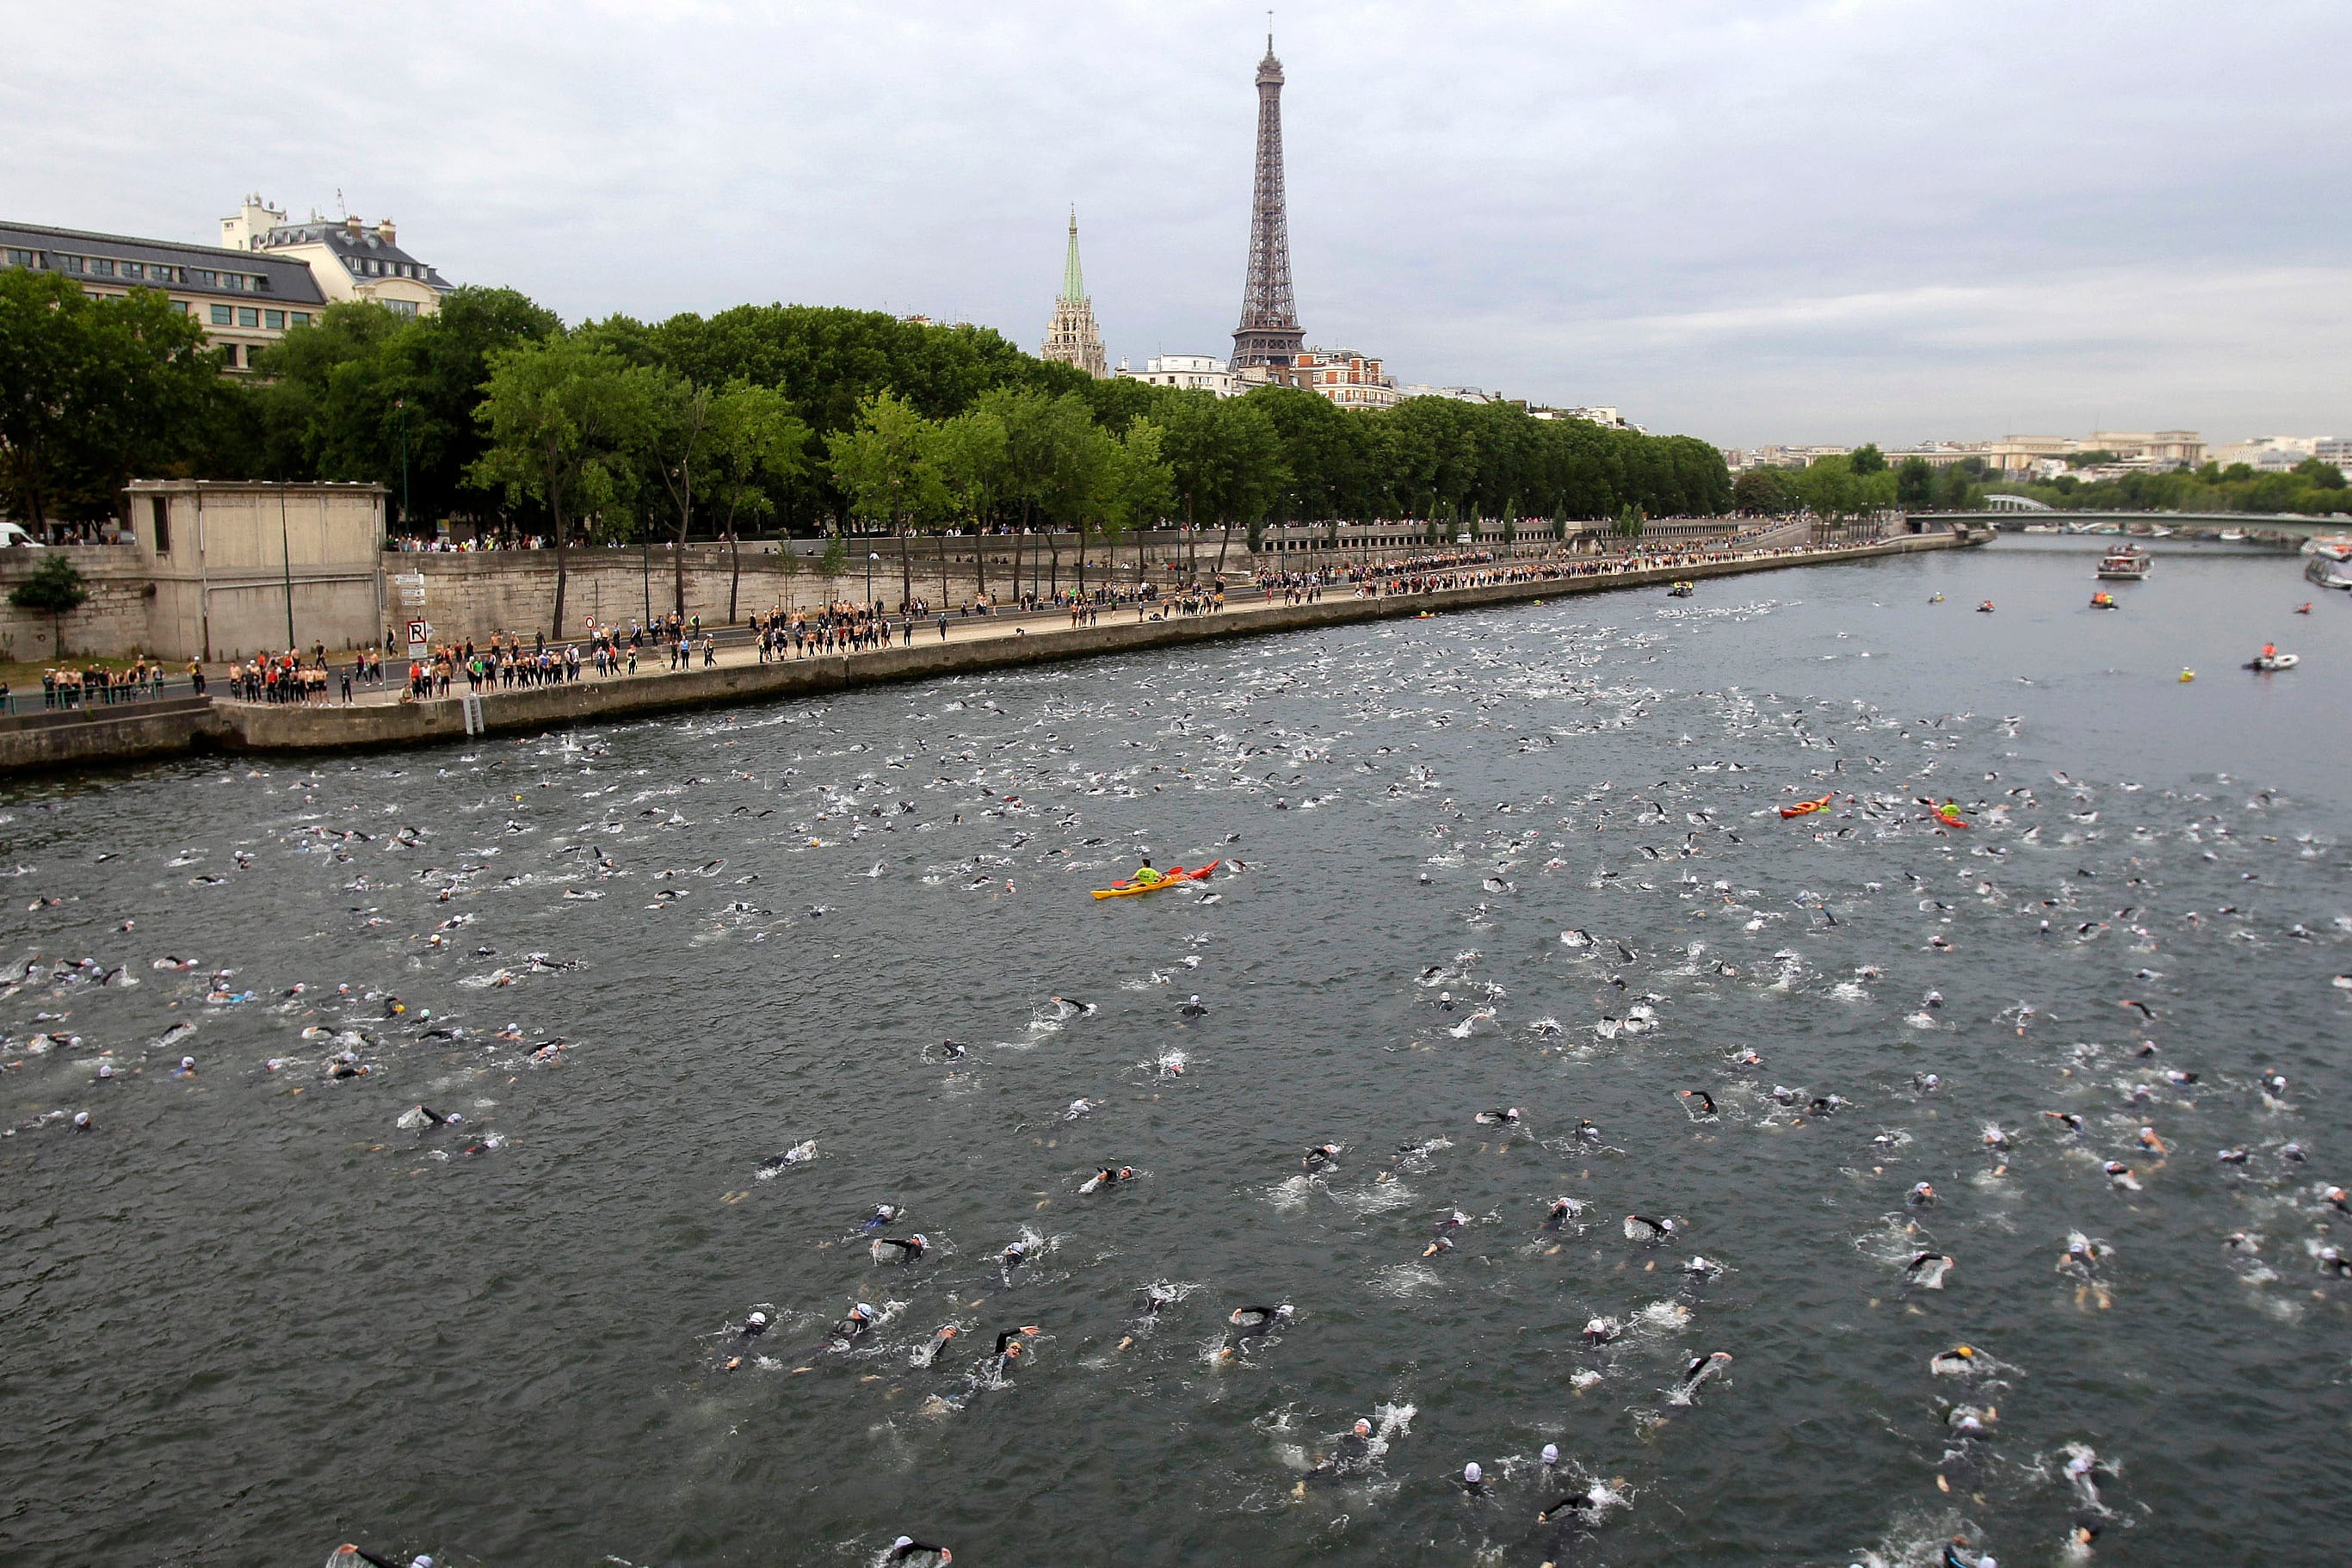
(258, 1311)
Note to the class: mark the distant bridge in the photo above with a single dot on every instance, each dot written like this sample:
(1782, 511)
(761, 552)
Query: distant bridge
(2280, 525)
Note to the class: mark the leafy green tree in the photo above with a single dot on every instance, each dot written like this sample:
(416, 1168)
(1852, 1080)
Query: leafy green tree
(970, 453)
(1914, 484)
(1143, 487)
(832, 563)
(56, 590)
(1867, 459)
(365, 394)
(884, 467)
(92, 391)
(1765, 492)
(562, 418)
(2319, 475)
(675, 435)
(757, 447)
(1225, 461)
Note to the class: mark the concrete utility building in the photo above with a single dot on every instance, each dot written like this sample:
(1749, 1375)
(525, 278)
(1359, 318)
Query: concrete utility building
(238, 568)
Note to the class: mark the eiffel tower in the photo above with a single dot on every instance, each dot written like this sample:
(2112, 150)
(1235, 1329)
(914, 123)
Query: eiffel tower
(1073, 339)
(1269, 334)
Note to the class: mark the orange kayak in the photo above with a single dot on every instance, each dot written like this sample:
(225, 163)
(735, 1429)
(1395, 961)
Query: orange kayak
(1175, 875)
(1952, 818)
(1807, 807)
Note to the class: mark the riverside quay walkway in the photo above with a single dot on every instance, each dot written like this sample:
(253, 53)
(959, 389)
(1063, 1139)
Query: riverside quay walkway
(393, 718)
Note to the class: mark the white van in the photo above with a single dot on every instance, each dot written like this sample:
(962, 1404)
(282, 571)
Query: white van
(13, 536)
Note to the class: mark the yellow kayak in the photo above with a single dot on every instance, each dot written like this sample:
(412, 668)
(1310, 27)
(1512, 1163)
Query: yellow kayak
(1175, 875)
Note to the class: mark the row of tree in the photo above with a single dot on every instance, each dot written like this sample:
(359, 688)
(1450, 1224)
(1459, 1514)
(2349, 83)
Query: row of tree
(788, 418)
(2311, 487)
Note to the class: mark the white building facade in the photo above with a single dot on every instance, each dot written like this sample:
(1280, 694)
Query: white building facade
(1191, 373)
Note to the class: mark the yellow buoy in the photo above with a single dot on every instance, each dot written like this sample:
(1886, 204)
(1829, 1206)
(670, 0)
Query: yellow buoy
(2187, 676)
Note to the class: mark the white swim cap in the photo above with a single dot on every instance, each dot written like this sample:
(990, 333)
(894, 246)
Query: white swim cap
(106, 1070)
(760, 1317)
(81, 1119)
(1551, 1453)
(902, 1540)
(187, 1061)
(422, 1560)
(864, 1310)
(1363, 1427)
(1471, 1472)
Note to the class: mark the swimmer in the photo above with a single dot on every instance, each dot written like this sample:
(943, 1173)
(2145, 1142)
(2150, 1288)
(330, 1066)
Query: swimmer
(2337, 1199)
(2237, 1156)
(2149, 1140)
(1107, 1177)
(1587, 1131)
(2332, 1261)
(2121, 1175)
(861, 1319)
(1009, 1346)
(1706, 1103)
(1956, 1549)
(81, 1122)
(883, 1215)
(910, 1248)
(1747, 1057)
(1927, 1270)
(1320, 1156)
(906, 1549)
(1085, 1009)
(1497, 1118)
(929, 1355)
(2066, 1118)
(1699, 1369)
(1562, 1211)
(1255, 1323)
(1356, 1445)
(187, 1067)
(954, 1050)
(2273, 1084)
(1193, 1006)
(1641, 1228)
(1474, 1479)
(1953, 1363)
(1923, 1195)
(1549, 1458)
(1583, 1505)
(792, 1156)
(1599, 1331)
(1077, 1109)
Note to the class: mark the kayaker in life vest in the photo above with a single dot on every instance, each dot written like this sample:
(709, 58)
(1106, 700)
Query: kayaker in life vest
(1144, 875)
(2270, 650)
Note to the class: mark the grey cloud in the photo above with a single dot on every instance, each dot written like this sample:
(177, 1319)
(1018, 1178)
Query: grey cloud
(1754, 222)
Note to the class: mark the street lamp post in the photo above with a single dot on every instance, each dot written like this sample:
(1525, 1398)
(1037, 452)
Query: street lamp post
(401, 404)
(871, 557)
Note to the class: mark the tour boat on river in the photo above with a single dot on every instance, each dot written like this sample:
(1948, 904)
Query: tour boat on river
(2125, 564)
(2330, 565)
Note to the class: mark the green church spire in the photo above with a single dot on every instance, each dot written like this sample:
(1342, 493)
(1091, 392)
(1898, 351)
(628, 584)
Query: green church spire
(1074, 281)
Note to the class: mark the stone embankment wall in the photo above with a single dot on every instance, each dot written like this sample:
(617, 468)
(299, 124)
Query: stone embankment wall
(39, 740)
(113, 621)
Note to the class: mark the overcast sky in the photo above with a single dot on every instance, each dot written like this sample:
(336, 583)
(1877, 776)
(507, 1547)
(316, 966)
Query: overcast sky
(1762, 221)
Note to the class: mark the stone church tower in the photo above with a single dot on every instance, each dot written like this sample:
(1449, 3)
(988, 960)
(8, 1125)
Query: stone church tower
(1073, 339)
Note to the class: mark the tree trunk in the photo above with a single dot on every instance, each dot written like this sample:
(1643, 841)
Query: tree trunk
(677, 565)
(563, 565)
(1054, 580)
(943, 569)
(906, 573)
(980, 562)
(1082, 562)
(734, 569)
(1223, 545)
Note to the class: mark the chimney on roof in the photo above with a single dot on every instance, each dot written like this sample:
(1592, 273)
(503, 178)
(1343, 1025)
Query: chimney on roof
(351, 227)
(384, 231)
